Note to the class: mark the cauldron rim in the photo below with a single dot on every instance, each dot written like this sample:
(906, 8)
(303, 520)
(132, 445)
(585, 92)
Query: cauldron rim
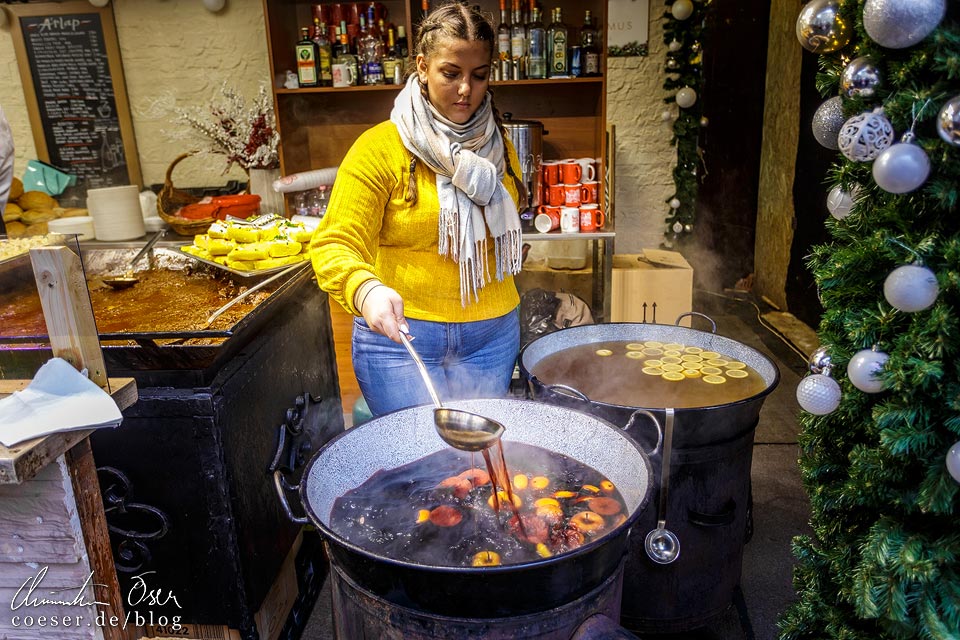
(772, 384)
(567, 556)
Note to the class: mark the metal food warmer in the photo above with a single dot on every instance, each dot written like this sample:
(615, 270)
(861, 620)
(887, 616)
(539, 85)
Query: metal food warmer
(187, 478)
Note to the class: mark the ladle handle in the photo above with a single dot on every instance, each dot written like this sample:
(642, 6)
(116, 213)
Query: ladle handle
(216, 314)
(423, 369)
(665, 467)
(147, 247)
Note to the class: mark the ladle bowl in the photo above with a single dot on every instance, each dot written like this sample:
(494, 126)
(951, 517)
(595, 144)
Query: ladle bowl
(460, 429)
(128, 279)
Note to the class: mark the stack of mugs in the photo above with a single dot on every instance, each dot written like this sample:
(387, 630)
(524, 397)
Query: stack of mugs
(570, 198)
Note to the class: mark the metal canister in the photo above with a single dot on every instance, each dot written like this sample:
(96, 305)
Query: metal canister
(576, 61)
(527, 138)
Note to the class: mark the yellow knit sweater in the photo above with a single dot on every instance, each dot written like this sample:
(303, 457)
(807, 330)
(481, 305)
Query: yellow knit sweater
(371, 231)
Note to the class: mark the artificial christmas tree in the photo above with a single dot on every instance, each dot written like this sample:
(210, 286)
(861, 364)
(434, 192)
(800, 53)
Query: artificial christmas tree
(884, 557)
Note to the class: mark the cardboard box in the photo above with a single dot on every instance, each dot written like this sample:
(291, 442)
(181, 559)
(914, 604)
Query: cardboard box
(654, 286)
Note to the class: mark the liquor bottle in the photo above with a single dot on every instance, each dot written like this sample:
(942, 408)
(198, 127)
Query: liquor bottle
(590, 46)
(424, 9)
(503, 43)
(391, 61)
(536, 46)
(346, 57)
(371, 52)
(307, 60)
(557, 46)
(402, 48)
(324, 53)
(518, 43)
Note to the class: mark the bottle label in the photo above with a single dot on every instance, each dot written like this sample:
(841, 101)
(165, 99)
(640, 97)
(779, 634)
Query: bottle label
(591, 63)
(558, 60)
(326, 72)
(306, 65)
(372, 73)
(503, 46)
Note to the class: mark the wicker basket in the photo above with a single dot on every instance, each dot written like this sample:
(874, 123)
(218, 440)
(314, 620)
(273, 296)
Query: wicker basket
(169, 201)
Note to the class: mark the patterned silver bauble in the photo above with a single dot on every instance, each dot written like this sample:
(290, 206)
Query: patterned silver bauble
(948, 122)
(677, 227)
(840, 203)
(827, 122)
(861, 78)
(688, 228)
(674, 46)
(819, 27)
(819, 360)
(863, 137)
(897, 24)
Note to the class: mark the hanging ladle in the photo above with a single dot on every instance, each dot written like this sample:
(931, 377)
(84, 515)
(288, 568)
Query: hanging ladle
(460, 429)
(661, 544)
(128, 279)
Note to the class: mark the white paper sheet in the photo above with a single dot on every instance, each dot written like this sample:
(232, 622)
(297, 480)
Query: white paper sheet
(59, 398)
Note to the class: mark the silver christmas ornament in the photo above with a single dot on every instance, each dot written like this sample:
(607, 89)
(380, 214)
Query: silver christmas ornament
(902, 167)
(674, 46)
(818, 394)
(897, 24)
(819, 360)
(672, 64)
(911, 288)
(953, 461)
(677, 227)
(948, 122)
(840, 203)
(704, 121)
(688, 228)
(686, 97)
(863, 137)
(674, 203)
(827, 122)
(860, 78)
(681, 9)
(819, 27)
(863, 368)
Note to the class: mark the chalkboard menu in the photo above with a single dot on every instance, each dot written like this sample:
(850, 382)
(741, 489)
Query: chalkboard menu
(70, 64)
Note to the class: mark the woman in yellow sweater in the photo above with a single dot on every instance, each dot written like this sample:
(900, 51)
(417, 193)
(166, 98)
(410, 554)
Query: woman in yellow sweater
(422, 233)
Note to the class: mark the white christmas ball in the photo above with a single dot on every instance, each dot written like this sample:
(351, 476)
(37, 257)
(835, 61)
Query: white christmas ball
(686, 97)
(674, 45)
(818, 394)
(897, 24)
(840, 203)
(863, 137)
(911, 287)
(99, 3)
(681, 9)
(214, 5)
(666, 115)
(674, 203)
(863, 369)
(953, 461)
(901, 168)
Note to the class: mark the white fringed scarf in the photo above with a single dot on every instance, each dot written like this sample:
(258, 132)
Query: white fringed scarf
(468, 160)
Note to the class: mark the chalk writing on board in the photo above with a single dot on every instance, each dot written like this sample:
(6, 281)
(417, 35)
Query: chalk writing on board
(74, 88)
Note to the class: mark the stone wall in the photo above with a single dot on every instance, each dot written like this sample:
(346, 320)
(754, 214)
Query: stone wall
(176, 54)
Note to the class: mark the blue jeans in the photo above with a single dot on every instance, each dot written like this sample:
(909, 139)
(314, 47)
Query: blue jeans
(465, 360)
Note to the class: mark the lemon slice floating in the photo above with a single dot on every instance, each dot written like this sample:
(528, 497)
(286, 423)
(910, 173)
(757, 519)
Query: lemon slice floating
(636, 355)
(672, 352)
(711, 371)
(714, 379)
(671, 367)
(692, 350)
(706, 355)
(604, 352)
(652, 363)
(735, 365)
(653, 344)
(652, 351)
(692, 365)
(673, 345)
(635, 346)
(671, 359)
(691, 373)
(717, 362)
(653, 371)
(736, 373)
(691, 358)
(673, 376)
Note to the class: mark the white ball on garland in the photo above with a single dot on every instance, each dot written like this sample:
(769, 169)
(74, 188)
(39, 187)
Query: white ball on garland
(827, 122)
(686, 97)
(674, 46)
(948, 121)
(901, 168)
(863, 368)
(840, 203)
(674, 203)
(863, 137)
(897, 24)
(682, 9)
(953, 461)
(818, 394)
(911, 287)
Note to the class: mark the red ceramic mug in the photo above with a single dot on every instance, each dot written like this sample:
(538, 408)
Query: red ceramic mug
(551, 172)
(591, 218)
(570, 171)
(571, 194)
(588, 194)
(554, 195)
(547, 219)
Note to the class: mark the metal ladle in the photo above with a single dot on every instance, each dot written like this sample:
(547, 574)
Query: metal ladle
(128, 279)
(661, 544)
(460, 429)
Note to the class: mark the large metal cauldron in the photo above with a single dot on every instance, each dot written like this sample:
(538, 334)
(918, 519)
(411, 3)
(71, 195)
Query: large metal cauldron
(709, 479)
(511, 590)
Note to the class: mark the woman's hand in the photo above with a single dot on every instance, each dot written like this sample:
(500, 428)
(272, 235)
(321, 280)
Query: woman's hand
(383, 311)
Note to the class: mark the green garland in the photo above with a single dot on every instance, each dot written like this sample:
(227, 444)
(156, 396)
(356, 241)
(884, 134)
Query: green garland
(684, 68)
(883, 559)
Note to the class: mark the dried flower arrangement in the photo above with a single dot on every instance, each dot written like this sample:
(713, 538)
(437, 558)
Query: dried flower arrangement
(245, 134)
